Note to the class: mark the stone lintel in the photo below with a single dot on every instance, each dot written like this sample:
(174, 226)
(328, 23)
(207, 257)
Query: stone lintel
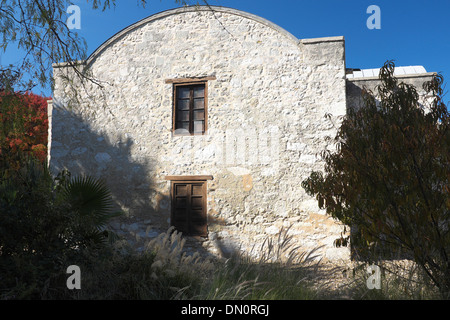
(185, 80)
(189, 178)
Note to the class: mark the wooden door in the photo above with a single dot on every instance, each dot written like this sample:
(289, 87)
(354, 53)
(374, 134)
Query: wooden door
(189, 208)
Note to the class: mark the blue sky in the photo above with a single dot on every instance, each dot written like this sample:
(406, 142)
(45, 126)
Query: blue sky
(414, 32)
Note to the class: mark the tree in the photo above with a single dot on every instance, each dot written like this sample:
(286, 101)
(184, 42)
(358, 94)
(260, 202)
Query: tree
(46, 223)
(390, 176)
(23, 128)
(39, 29)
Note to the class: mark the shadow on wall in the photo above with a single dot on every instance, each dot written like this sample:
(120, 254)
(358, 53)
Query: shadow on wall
(109, 154)
(83, 150)
(81, 146)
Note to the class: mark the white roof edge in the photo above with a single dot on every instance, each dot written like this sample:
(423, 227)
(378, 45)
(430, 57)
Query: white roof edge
(402, 72)
(416, 75)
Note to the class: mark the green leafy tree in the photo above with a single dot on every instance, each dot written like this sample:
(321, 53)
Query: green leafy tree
(390, 176)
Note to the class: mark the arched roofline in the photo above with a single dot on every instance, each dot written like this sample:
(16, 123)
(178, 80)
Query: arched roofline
(170, 12)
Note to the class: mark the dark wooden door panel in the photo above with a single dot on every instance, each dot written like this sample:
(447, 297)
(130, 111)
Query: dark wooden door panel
(180, 202)
(197, 190)
(189, 208)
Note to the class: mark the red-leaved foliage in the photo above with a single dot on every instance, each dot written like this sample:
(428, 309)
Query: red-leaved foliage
(23, 126)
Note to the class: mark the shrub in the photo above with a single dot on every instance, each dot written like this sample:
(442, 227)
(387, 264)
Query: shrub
(176, 273)
(163, 271)
(389, 177)
(23, 128)
(400, 280)
(280, 273)
(45, 225)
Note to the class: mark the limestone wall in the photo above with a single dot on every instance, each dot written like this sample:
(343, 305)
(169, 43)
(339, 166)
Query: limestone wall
(267, 124)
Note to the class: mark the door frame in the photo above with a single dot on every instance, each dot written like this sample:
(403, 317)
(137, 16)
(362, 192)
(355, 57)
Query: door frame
(174, 180)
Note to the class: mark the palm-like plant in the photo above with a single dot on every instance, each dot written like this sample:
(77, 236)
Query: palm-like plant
(91, 207)
(47, 224)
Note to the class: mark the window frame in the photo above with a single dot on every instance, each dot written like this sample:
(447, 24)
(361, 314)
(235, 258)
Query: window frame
(189, 83)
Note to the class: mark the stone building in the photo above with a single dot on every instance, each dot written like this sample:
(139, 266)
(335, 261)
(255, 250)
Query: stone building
(208, 119)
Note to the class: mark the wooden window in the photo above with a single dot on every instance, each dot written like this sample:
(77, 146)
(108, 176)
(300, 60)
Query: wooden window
(190, 111)
(188, 202)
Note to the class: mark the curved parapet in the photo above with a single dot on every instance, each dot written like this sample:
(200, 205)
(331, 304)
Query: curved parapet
(171, 12)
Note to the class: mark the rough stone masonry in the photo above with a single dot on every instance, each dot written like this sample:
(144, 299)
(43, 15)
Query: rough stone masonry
(272, 103)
